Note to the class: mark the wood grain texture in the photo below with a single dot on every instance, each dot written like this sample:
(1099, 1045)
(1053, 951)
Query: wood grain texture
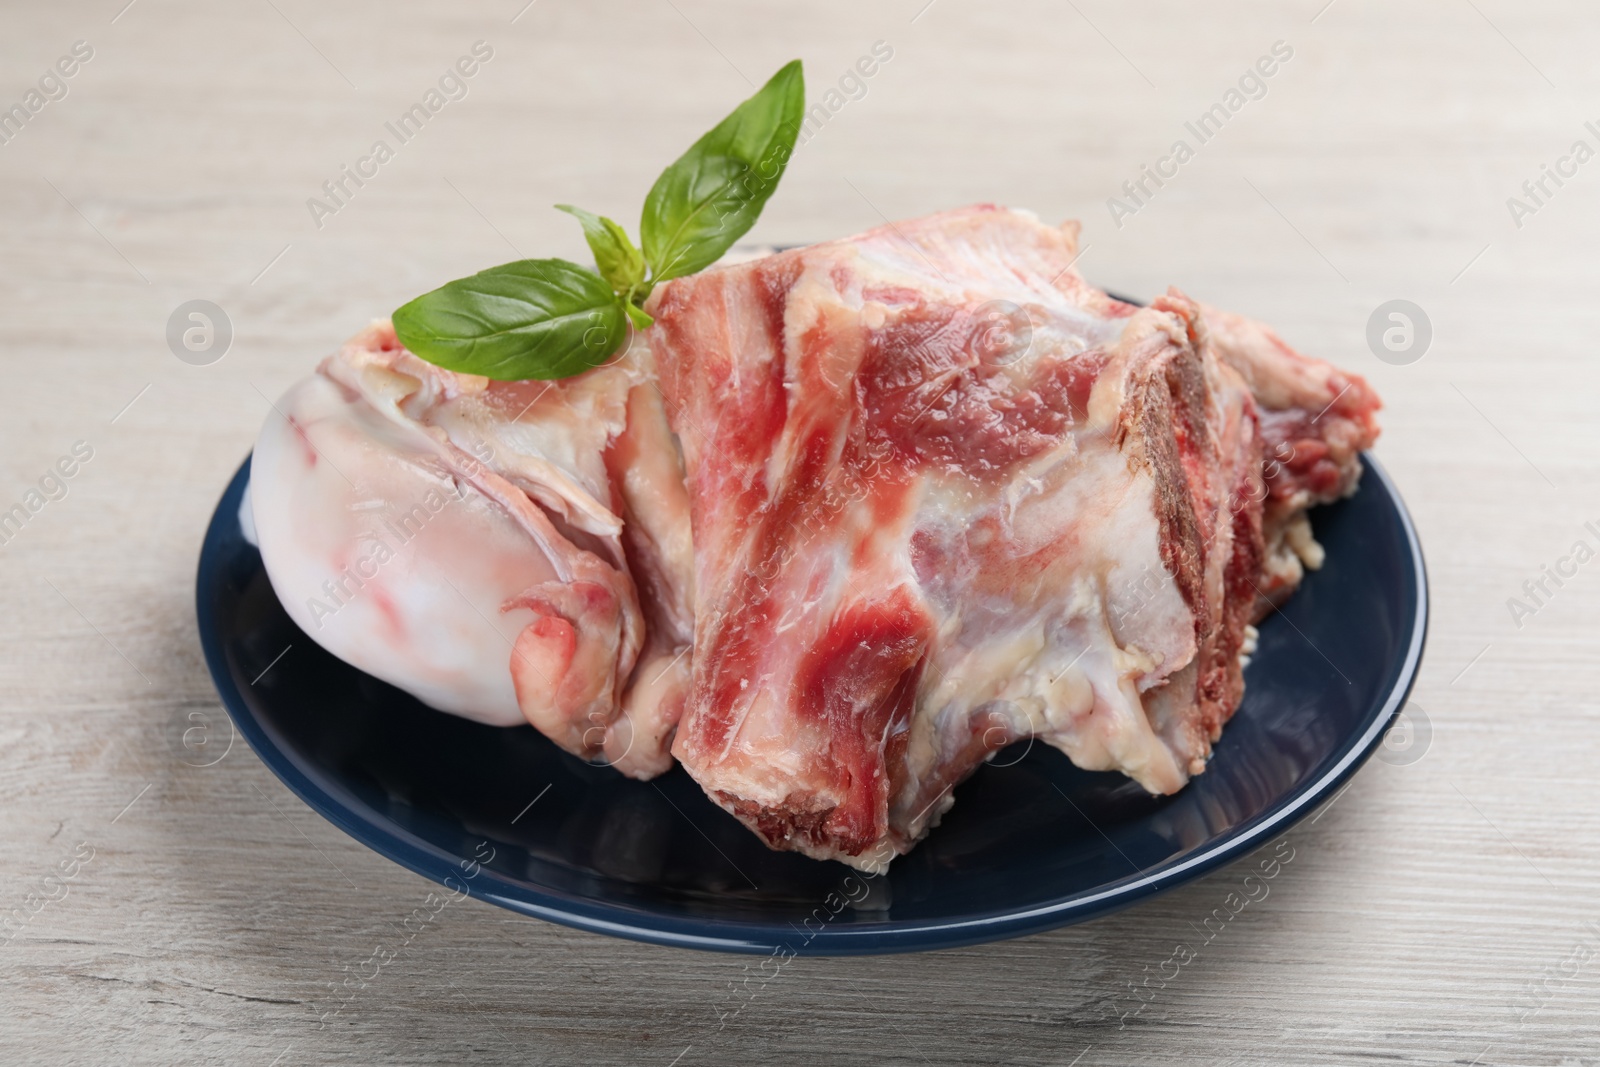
(217, 909)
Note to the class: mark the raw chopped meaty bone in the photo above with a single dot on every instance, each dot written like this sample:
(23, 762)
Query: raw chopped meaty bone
(484, 545)
(946, 495)
(1315, 420)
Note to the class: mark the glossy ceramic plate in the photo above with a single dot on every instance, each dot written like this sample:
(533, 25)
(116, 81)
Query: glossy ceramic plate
(1032, 842)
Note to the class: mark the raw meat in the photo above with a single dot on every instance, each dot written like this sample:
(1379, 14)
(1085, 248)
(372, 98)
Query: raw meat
(946, 495)
(483, 545)
(1315, 420)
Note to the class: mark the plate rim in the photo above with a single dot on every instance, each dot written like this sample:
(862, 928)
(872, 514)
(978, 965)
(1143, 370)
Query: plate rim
(763, 938)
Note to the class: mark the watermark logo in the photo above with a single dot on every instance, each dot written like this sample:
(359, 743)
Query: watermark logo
(1399, 332)
(359, 977)
(1252, 85)
(1002, 332)
(1540, 991)
(453, 85)
(1408, 737)
(1537, 591)
(1538, 191)
(856, 891)
(46, 891)
(1142, 993)
(199, 332)
(374, 551)
(52, 86)
(52, 485)
(852, 86)
(200, 737)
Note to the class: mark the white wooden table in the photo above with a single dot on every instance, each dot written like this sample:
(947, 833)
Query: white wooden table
(1443, 911)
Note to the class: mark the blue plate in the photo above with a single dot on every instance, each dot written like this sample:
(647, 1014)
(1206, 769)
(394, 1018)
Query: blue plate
(1032, 843)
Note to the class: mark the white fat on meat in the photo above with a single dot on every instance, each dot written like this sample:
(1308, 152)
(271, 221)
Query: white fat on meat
(464, 540)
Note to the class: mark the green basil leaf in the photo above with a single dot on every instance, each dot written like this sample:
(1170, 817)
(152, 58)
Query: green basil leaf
(638, 316)
(620, 263)
(535, 318)
(713, 194)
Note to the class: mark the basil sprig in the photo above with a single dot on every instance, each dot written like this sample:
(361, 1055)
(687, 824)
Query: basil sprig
(535, 318)
(549, 318)
(713, 194)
